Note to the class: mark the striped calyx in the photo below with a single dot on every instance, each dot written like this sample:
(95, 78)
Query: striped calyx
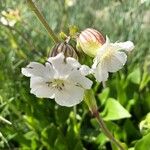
(90, 40)
(64, 48)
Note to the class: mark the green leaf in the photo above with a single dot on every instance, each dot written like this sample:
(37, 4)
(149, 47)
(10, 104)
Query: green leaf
(135, 76)
(78, 146)
(103, 95)
(62, 114)
(132, 148)
(130, 126)
(60, 143)
(145, 80)
(71, 137)
(101, 139)
(49, 135)
(144, 143)
(30, 135)
(114, 147)
(114, 110)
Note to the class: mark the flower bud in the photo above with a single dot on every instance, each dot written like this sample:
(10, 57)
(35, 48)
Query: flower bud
(64, 48)
(90, 40)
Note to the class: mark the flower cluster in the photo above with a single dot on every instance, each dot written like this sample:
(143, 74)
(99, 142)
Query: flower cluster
(64, 79)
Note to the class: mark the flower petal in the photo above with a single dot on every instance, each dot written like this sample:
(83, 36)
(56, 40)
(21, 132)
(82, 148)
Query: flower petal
(75, 65)
(85, 70)
(33, 69)
(61, 67)
(70, 96)
(128, 45)
(76, 78)
(57, 60)
(73, 62)
(50, 71)
(103, 49)
(100, 72)
(40, 88)
(116, 61)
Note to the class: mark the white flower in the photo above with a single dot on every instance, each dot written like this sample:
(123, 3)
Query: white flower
(109, 58)
(60, 78)
(7, 22)
(10, 17)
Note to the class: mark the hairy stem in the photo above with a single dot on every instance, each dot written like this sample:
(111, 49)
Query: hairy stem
(91, 102)
(106, 131)
(43, 20)
(104, 127)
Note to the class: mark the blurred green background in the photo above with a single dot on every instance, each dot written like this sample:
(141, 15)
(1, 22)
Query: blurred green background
(29, 123)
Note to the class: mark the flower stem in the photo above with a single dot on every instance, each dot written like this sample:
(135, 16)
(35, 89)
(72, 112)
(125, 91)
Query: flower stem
(106, 130)
(90, 100)
(43, 20)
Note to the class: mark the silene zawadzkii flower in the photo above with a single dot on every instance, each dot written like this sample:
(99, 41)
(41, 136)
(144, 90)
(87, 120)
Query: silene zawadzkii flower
(61, 78)
(110, 57)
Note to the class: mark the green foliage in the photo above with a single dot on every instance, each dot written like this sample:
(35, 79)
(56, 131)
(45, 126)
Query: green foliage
(135, 76)
(29, 123)
(114, 111)
(143, 143)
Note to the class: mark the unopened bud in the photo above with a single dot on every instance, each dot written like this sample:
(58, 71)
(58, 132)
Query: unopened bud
(64, 48)
(90, 40)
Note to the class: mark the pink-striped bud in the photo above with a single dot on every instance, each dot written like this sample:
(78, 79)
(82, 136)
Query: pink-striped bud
(90, 40)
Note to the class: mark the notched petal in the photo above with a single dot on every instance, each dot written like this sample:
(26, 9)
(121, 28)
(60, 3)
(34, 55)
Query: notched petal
(85, 70)
(127, 46)
(33, 69)
(116, 61)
